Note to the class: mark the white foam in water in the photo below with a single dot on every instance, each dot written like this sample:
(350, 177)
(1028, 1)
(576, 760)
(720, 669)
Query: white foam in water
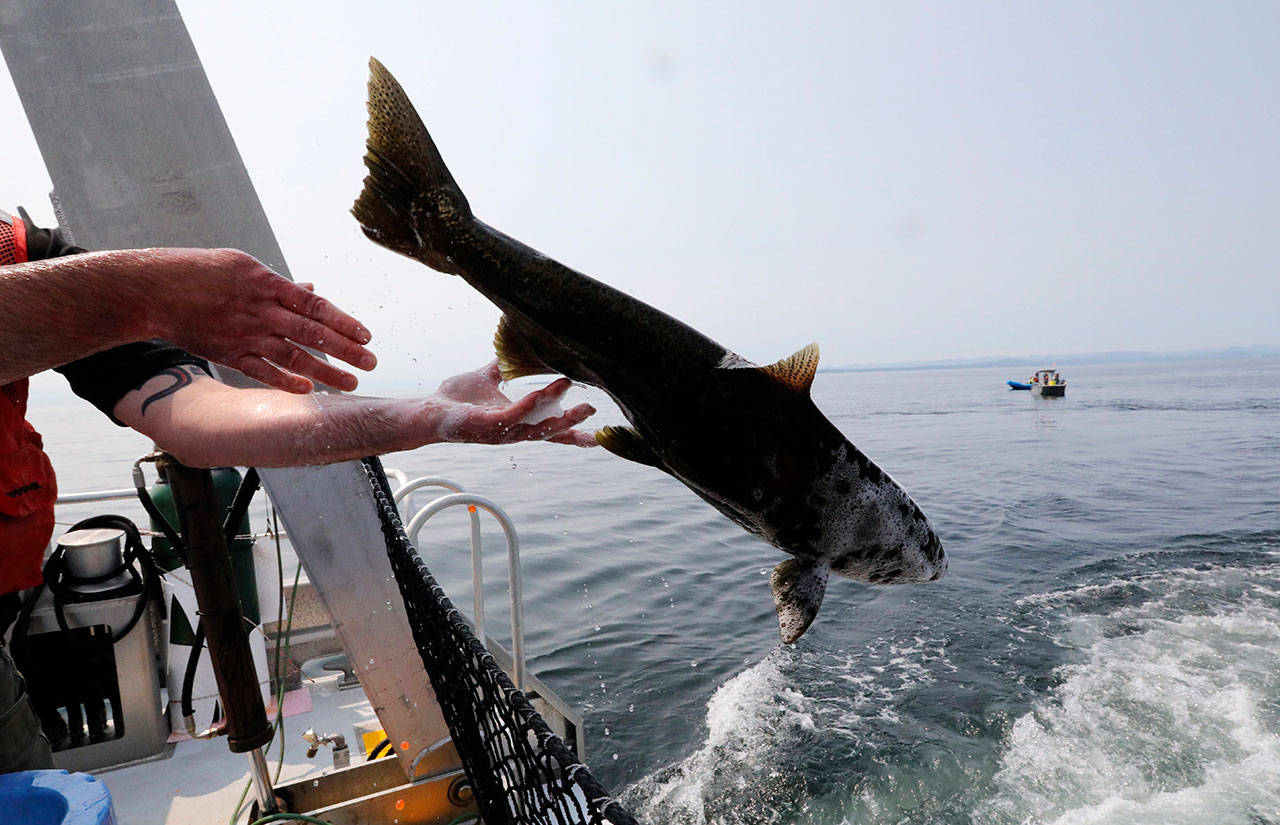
(761, 718)
(744, 716)
(1173, 717)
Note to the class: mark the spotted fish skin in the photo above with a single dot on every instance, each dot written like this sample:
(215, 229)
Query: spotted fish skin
(747, 439)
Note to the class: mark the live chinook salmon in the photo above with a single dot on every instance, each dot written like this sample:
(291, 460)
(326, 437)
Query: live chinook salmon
(748, 439)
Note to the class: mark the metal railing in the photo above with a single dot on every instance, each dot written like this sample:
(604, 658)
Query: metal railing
(456, 497)
(405, 488)
(97, 495)
(473, 502)
(459, 497)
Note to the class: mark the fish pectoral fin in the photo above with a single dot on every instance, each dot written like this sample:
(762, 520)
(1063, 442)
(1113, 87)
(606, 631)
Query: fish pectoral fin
(795, 372)
(627, 443)
(798, 586)
(516, 356)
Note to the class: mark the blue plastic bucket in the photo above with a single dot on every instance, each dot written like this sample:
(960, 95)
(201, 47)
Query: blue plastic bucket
(55, 798)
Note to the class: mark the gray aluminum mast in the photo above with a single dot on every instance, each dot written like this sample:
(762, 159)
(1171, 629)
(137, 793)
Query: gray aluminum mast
(140, 155)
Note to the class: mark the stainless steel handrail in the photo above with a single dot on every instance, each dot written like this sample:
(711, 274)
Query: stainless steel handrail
(477, 566)
(97, 495)
(516, 660)
(406, 487)
(513, 564)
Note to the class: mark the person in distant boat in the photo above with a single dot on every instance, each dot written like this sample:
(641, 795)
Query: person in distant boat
(109, 322)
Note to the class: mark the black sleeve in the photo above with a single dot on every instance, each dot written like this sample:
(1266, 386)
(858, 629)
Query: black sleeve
(104, 378)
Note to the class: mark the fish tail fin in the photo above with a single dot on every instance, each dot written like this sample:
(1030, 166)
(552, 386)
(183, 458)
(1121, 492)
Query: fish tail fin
(798, 587)
(408, 183)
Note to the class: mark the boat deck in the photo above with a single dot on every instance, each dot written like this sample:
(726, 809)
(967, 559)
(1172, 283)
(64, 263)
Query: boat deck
(200, 782)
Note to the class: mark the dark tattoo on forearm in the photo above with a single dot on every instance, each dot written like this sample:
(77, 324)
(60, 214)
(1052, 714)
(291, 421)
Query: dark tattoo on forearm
(181, 378)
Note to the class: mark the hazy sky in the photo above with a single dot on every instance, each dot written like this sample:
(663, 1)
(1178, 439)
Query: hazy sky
(895, 181)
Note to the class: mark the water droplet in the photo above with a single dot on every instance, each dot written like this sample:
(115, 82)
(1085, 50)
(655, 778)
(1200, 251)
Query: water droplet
(615, 756)
(693, 663)
(370, 661)
(606, 731)
(388, 605)
(631, 708)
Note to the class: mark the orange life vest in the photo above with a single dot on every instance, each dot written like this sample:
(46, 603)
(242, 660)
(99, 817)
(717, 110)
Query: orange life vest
(28, 487)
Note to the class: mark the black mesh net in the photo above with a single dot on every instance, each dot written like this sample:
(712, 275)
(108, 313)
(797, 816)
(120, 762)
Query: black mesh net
(522, 773)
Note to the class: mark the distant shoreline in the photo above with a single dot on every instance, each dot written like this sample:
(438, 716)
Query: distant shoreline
(1040, 361)
(50, 389)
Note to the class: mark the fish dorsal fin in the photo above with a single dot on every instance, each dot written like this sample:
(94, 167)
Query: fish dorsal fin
(798, 587)
(796, 371)
(627, 443)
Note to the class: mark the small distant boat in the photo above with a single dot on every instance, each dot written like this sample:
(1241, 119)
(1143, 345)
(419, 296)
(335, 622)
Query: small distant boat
(1048, 384)
(1018, 385)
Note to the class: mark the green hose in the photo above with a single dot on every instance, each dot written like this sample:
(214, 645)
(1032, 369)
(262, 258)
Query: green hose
(290, 818)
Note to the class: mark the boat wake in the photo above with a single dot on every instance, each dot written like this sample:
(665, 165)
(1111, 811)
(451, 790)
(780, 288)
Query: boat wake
(1169, 714)
(775, 730)
(1161, 705)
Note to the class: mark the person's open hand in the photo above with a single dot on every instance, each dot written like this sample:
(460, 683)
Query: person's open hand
(236, 311)
(477, 411)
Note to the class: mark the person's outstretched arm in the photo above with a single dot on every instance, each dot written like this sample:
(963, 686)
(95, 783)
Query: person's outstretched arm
(221, 304)
(204, 423)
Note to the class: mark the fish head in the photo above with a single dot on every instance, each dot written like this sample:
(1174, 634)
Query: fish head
(870, 529)
(856, 522)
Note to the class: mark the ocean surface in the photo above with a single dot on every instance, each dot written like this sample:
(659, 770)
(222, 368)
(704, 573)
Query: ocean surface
(1104, 649)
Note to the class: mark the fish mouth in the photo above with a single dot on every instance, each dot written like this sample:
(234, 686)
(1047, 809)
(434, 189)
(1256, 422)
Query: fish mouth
(935, 556)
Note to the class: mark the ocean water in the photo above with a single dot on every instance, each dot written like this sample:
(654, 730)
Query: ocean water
(1104, 649)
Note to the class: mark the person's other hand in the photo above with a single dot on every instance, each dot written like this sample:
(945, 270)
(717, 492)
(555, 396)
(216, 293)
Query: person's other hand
(236, 311)
(477, 411)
